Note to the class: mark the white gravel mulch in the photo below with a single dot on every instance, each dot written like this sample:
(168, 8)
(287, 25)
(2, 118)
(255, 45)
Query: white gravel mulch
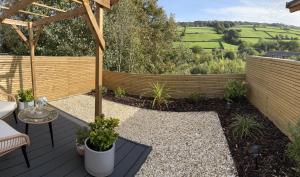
(184, 144)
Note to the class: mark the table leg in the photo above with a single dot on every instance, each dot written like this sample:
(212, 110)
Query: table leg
(51, 133)
(26, 129)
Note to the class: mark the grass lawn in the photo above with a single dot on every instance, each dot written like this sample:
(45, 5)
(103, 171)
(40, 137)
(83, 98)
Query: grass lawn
(204, 30)
(249, 32)
(204, 45)
(201, 37)
(271, 29)
(284, 34)
(251, 40)
(230, 46)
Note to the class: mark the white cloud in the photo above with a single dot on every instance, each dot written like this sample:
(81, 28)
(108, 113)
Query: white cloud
(269, 11)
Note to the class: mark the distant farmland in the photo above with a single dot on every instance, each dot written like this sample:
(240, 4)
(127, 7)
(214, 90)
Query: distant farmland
(208, 39)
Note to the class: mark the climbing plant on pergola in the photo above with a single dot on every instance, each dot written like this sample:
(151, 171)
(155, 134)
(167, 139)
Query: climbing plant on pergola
(94, 20)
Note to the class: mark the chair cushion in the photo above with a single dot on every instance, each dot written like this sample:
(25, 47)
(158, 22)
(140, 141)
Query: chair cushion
(8, 143)
(6, 107)
(6, 130)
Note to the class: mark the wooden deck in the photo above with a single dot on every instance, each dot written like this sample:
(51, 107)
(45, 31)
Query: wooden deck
(63, 160)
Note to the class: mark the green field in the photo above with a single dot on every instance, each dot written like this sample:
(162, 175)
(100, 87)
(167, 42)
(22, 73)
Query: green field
(207, 38)
(202, 37)
(204, 30)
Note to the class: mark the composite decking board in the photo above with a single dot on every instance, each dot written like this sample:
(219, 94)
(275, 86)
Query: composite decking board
(138, 164)
(45, 147)
(63, 160)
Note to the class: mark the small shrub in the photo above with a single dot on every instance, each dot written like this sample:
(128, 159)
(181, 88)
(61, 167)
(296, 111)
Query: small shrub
(245, 126)
(120, 92)
(103, 90)
(235, 90)
(199, 70)
(195, 98)
(102, 133)
(26, 95)
(160, 95)
(81, 135)
(293, 150)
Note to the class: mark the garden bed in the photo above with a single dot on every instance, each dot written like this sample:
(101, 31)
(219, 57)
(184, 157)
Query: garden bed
(272, 161)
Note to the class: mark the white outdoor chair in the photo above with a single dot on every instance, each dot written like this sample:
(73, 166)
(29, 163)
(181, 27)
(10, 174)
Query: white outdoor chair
(10, 140)
(8, 105)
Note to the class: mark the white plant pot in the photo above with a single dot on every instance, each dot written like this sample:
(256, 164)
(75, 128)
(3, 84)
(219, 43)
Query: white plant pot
(24, 105)
(99, 164)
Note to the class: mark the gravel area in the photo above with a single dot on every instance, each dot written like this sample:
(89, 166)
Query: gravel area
(184, 144)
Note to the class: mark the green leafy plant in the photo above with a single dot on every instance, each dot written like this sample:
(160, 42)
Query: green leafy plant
(102, 133)
(235, 90)
(293, 150)
(120, 92)
(81, 135)
(160, 95)
(103, 90)
(195, 98)
(245, 126)
(25, 95)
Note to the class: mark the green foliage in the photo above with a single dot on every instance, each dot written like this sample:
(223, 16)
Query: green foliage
(160, 95)
(25, 95)
(232, 37)
(195, 98)
(245, 126)
(120, 92)
(81, 135)
(102, 133)
(201, 69)
(224, 66)
(197, 49)
(293, 150)
(230, 55)
(103, 90)
(235, 90)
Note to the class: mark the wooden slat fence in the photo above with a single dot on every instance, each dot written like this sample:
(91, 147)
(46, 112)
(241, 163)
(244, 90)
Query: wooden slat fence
(275, 89)
(57, 77)
(179, 86)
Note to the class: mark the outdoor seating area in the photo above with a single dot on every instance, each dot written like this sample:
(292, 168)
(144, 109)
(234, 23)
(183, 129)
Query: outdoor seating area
(63, 159)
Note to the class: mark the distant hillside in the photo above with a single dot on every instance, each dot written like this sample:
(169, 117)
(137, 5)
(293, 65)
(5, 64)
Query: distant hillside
(207, 37)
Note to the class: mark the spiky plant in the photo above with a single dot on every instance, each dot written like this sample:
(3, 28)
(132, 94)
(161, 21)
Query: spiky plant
(245, 126)
(160, 95)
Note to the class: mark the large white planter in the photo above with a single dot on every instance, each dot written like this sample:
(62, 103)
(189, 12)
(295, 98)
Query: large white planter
(99, 164)
(24, 105)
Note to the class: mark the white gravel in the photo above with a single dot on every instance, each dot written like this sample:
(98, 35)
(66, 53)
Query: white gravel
(184, 144)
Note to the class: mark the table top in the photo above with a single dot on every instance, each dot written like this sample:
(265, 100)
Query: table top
(49, 114)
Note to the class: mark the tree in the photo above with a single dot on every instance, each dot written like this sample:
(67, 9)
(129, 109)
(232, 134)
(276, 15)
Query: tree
(232, 37)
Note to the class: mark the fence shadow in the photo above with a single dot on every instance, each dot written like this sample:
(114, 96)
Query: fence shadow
(15, 67)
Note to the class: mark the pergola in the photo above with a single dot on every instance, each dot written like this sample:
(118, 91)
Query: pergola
(94, 20)
(293, 5)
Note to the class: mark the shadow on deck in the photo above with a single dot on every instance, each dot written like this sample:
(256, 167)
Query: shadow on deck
(63, 160)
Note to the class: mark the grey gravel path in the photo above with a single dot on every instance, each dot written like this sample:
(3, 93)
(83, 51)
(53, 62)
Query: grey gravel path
(184, 144)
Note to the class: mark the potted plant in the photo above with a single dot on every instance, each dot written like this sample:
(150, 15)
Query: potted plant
(100, 146)
(81, 135)
(26, 99)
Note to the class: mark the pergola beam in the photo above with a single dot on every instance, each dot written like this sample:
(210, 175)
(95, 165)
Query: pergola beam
(94, 27)
(15, 22)
(20, 5)
(62, 16)
(20, 33)
(25, 12)
(48, 7)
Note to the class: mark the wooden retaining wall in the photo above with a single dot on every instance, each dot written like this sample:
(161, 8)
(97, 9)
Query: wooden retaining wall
(180, 86)
(275, 89)
(57, 77)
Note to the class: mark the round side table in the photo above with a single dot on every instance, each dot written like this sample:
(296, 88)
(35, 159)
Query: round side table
(28, 118)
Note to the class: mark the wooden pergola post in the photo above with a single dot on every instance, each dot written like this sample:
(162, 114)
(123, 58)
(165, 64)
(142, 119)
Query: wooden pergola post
(99, 64)
(32, 55)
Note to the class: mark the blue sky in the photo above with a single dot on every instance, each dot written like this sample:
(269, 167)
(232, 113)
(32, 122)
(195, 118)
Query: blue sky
(270, 11)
